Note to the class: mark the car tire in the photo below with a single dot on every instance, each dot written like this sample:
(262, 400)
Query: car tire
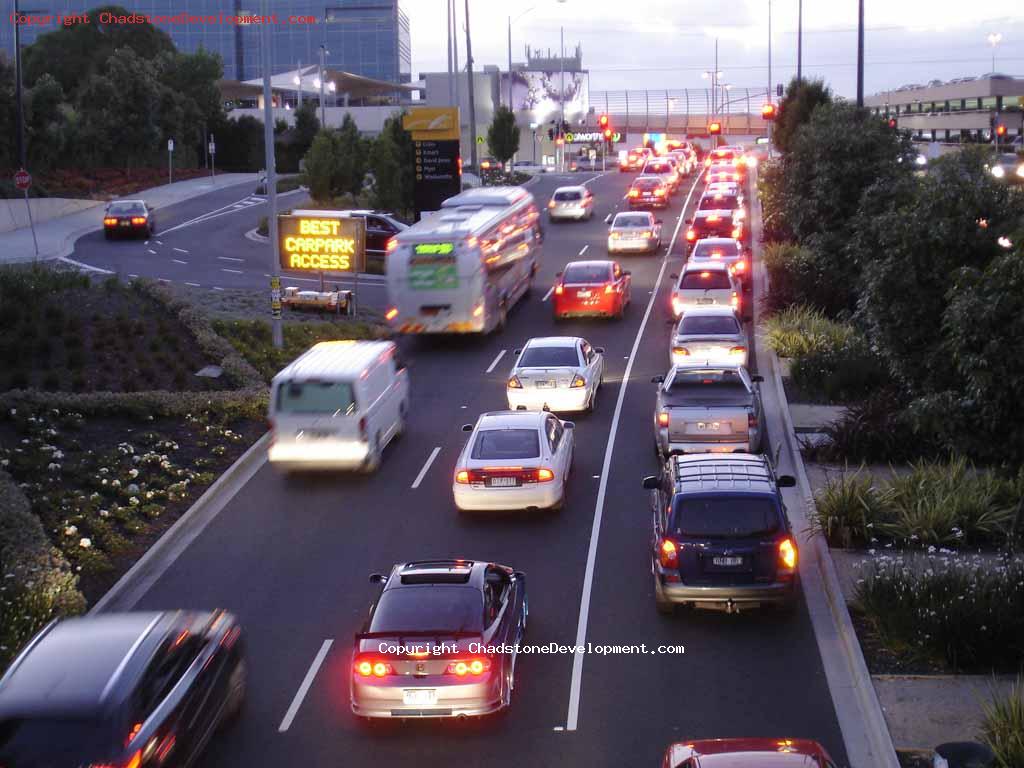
(403, 416)
(592, 405)
(372, 463)
(237, 684)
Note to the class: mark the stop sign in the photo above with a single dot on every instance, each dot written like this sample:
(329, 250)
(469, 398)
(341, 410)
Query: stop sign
(22, 179)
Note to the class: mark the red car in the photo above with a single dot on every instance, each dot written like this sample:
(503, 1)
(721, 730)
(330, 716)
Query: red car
(747, 753)
(599, 288)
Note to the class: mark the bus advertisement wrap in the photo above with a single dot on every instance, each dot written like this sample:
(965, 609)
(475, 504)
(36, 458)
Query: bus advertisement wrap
(323, 243)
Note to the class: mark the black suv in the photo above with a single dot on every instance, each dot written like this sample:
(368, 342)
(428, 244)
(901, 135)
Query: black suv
(129, 689)
(721, 537)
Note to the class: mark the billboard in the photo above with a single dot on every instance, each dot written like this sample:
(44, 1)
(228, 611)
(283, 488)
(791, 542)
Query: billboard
(323, 242)
(539, 92)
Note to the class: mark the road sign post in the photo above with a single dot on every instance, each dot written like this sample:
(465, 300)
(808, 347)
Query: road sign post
(23, 180)
(213, 151)
(170, 163)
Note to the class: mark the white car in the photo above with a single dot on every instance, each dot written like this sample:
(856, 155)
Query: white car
(705, 284)
(634, 232)
(514, 460)
(575, 202)
(557, 373)
(709, 334)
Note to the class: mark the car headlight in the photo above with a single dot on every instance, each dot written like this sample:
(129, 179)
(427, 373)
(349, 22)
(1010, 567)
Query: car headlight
(998, 171)
(1020, 170)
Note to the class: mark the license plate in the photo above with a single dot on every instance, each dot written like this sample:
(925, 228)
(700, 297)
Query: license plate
(419, 697)
(708, 426)
(705, 301)
(124, 223)
(316, 434)
(583, 294)
(545, 385)
(503, 482)
(729, 562)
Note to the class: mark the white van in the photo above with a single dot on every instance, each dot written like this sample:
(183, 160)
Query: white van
(337, 406)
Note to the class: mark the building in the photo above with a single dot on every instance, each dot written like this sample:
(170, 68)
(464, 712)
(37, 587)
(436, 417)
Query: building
(368, 38)
(963, 110)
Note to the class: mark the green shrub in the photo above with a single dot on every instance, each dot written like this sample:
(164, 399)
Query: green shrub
(844, 373)
(874, 430)
(793, 275)
(263, 227)
(1003, 726)
(849, 510)
(961, 611)
(800, 330)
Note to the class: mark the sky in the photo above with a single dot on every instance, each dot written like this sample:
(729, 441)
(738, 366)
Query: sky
(669, 43)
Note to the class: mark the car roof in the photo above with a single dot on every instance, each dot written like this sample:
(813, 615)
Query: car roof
(590, 263)
(511, 419)
(553, 341)
(439, 572)
(140, 202)
(748, 753)
(571, 188)
(711, 266)
(709, 310)
(699, 472)
(703, 214)
(713, 241)
(342, 358)
(645, 177)
(75, 666)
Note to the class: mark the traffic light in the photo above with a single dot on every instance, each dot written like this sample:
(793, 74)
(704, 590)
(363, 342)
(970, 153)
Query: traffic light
(602, 121)
(715, 129)
(768, 111)
(892, 122)
(1000, 130)
(565, 126)
(608, 134)
(559, 141)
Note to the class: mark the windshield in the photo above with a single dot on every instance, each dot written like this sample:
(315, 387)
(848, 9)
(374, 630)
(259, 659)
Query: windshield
(659, 168)
(642, 183)
(127, 209)
(502, 444)
(54, 741)
(632, 220)
(718, 203)
(422, 608)
(708, 326)
(325, 397)
(568, 195)
(587, 273)
(716, 517)
(549, 357)
(718, 384)
(706, 250)
(704, 281)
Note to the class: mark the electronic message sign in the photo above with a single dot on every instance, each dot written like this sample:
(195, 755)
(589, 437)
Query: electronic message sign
(322, 242)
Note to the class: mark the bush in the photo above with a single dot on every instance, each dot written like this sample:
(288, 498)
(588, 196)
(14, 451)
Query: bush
(1003, 726)
(843, 373)
(962, 612)
(847, 510)
(800, 330)
(794, 277)
(263, 228)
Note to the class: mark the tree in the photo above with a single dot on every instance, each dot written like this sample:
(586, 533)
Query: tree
(321, 166)
(352, 152)
(503, 135)
(8, 143)
(45, 130)
(795, 109)
(306, 125)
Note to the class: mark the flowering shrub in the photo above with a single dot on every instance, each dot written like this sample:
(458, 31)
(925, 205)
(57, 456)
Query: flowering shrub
(963, 611)
(1003, 726)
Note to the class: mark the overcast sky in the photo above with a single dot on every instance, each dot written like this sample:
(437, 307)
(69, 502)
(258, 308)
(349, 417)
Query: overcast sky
(668, 43)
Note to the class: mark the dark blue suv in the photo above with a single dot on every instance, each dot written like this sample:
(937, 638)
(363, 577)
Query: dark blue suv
(721, 537)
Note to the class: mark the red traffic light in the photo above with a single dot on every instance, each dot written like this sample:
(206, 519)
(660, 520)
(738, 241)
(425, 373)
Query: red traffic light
(603, 121)
(892, 122)
(607, 134)
(1000, 130)
(559, 141)
(768, 111)
(715, 128)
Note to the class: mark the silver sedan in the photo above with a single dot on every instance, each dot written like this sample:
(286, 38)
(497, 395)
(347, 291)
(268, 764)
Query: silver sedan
(557, 373)
(634, 232)
(710, 334)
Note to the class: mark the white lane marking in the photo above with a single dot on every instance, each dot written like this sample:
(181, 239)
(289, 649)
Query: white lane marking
(595, 531)
(584, 249)
(423, 472)
(217, 288)
(229, 258)
(88, 267)
(194, 285)
(151, 251)
(216, 213)
(181, 250)
(158, 242)
(595, 178)
(179, 261)
(493, 365)
(548, 294)
(232, 271)
(164, 280)
(307, 682)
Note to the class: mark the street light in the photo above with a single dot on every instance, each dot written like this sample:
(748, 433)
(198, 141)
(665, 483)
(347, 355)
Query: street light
(994, 39)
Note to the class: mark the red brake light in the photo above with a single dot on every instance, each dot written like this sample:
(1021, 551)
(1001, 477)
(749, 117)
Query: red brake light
(691, 234)
(372, 667)
(515, 383)
(668, 556)
(551, 203)
(663, 419)
(659, 192)
(680, 352)
(392, 244)
(737, 232)
(735, 300)
(109, 221)
(545, 475)
(462, 477)
(138, 220)
(473, 666)
(578, 382)
(713, 218)
(787, 554)
(634, 193)
(391, 314)
(741, 266)
(559, 289)
(739, 352)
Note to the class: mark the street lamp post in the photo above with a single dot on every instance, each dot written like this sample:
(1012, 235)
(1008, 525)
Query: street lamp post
(277, 331)
(769, 73)
(19, 108)
(799, 41)
(860, 54)
(323, 104)
(561, 93)
(472, 99)
(298, 80)
(994, 39)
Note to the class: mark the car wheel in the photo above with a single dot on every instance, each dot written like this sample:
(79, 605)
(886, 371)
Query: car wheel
(372, 463)
(402, 421)
(661, 604)
(236, 692)
(592, 405)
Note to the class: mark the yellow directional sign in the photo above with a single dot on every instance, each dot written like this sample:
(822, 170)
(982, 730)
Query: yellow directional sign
(432, 123)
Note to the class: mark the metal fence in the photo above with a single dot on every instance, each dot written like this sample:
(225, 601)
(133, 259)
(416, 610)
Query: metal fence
(687, 110)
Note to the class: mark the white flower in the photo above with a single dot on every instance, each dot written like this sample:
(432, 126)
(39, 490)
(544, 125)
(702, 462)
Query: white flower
(5, 462)
(58, 455)
(132, 488)
(104, 470)
(931, 549)
(14, 411)
(53, 467)
(871, 552)
(133, 473)
(71, 530)
(104, 513)
(116, 483)
(85, 543)
(134, 501)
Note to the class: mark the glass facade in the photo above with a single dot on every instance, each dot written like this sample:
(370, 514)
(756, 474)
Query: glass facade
(365, 37)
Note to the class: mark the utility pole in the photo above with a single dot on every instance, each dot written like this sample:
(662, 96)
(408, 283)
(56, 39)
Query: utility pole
(20, 111)
(277, 331)
(323, 104)
(561, 95)
(451, 74)
(472, 99)
(300, 83)
(455, 63)
(510, 64)
(860, 54)
(799, 41)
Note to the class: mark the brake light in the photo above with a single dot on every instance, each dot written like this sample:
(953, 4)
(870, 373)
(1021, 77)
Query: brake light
(737, 232)
(515, 383)
(138, 220)
(738, 352)
(735, 301)
(751, 421)
(668, 556)
(663, 419)
(391, 313)
(713, 218)
(485, 165)
(577, 382)
(787, 554)
(740, 266)
(462, 477)
(680, 352)
(474, 666)
(647, 234)
(478, 311)
(559, 289)
(615, 235)
(109, 222)
(634, 193)
(691, 234)
(609, 288)
(677, 305)
(545, 475)
(392, 244)
(659, 192)
(370, 667)
(551, 204)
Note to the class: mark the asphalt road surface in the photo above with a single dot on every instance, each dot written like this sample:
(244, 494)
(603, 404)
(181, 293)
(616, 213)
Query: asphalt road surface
(291, 557)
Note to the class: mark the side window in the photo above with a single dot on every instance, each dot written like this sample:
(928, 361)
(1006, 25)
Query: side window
(617, 271)
(165, 670)
(492, 602)
(558, 429)
(586, 353)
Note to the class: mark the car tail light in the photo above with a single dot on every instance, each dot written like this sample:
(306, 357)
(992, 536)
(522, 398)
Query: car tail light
(740, 266)
(476, 665)
(462, 477)
(578, 382)
(691, 234)
(392, 244)
(138, 220)
(109, 222)
(545, 475)
(659, 192)
(559, 289)
(737, 232)
(737, 352)
(478, 310)
(368, 666)
(647, 234)
(663, 419)
(133, 762)
(735, 301)
(713, 218)
(677, 306)
(391, 314)
(515, 383)
(609, 288)
(634, 193)
(551, 204)
(787, 555)
(668, 556)
(751, 421)
(680, 352)
(615, 235)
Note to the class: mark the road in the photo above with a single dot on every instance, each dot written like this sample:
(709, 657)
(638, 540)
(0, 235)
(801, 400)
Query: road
(291, 557)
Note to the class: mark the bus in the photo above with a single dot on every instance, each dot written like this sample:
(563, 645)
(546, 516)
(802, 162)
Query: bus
(461, 269)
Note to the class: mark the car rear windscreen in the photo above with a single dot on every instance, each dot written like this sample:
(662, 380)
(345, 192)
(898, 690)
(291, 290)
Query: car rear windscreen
(724, 517)
(32, 741)
(334, 398)
(504, 444)
(548, 357)
(718, 203)
(710, 386)
(127, 209)
(587, 273)
(631, 220)
(707, 280)
(705, 250)
(563, 197)
(423, 608)
(647, 183)
(708, 326)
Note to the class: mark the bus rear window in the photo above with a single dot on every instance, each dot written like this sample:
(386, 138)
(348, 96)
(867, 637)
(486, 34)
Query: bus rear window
(334, 398)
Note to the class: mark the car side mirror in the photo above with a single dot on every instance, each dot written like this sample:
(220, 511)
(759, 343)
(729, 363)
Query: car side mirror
(517, 352)
(608, 219)
(785, 481)
(659, 379)
(558, 274)
(757, 378)
(673, 276)
(599, 350)
(467, 427)
(651, 483)
(659, 221)
(569, 424)
(376, 578)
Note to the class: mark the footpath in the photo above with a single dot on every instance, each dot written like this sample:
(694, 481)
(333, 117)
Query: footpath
(56, 236)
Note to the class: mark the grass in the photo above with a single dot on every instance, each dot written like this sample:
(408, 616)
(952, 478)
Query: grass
(799, 331)
(961, 612)
(1003, 727)
(937, 504)
(252, 338)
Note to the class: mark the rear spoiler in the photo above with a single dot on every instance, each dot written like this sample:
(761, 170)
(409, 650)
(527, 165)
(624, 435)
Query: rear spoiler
(430, 633)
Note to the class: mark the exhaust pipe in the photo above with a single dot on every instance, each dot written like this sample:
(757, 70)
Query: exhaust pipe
(731, 607)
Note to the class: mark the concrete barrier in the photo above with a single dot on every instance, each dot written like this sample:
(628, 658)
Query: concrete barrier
(14, 213)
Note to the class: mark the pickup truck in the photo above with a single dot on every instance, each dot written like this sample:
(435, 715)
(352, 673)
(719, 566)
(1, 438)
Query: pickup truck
(702, 409)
